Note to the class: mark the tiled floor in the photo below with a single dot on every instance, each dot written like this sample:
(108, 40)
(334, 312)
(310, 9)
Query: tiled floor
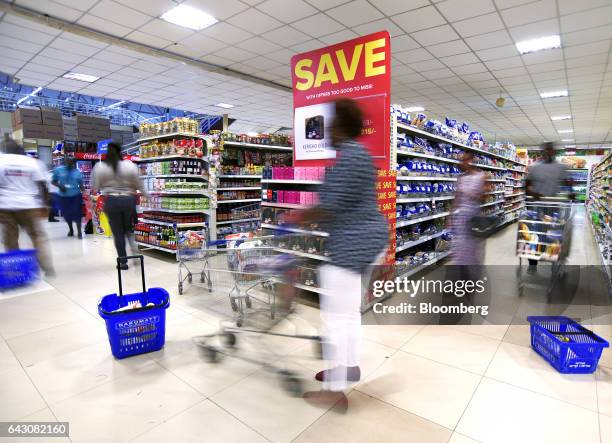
(421, 384)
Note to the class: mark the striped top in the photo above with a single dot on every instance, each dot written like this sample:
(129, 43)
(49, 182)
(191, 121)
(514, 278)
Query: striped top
(358, 232)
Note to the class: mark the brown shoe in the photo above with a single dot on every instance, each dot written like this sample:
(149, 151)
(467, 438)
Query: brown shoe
(327, 399)
(353, 373)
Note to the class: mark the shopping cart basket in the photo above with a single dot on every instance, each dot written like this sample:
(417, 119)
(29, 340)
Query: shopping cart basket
(568, 346)
(135, 330)
(17, 268)
(276, 273)
(544, 235)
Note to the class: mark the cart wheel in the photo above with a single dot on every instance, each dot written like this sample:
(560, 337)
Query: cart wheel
(202, 279)
(234, 306)
(180, 288)
(239, 323)
(248, 302)
(229, 339)
(291, 383)
(189, 278)
(211, 354)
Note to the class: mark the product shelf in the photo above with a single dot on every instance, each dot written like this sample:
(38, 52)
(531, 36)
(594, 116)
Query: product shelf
(452, 142)
(258, 146)
(285, 205)
(425, 178)
(175, 211)
(181, 192)
(178, 225)
(152, 246)
(240, 188)
(427, 156)
(424, 199)
(174, 176)
(496, 202)
(401, 224)
(294, 230)
(292, 182)
(418, 268)
(245, 176)
(243, 220)
(243, 200)
(169, 157)
(419, 241)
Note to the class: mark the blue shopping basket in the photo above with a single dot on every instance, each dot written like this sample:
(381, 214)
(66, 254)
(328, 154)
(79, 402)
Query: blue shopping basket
(18, 268)
(135, 331)
(567, 345)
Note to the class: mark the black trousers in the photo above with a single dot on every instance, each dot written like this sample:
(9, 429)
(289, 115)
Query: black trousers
(121, 212)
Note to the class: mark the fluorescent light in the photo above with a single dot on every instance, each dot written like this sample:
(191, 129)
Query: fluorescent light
(189, 17)
(224, 105)
(565, 131)
(539, 44)
(554, 94)
(415, 109)
(561, 117)
(31, 94)
(81, 77)
(252, 134)
(567, 139)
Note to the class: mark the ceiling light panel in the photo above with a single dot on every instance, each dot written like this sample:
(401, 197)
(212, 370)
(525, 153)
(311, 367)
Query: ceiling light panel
(189, 17)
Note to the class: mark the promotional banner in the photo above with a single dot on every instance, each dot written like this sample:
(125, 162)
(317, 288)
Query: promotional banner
(359, 69)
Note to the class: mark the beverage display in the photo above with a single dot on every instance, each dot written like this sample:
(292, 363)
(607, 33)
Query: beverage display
(172, 167)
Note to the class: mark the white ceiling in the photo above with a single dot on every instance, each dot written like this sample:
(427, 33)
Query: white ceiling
(452, 56)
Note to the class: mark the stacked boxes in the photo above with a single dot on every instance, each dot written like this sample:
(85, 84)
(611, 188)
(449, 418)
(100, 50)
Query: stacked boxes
(28, 121)
(52, 123)
(92, 129)
(70, 129)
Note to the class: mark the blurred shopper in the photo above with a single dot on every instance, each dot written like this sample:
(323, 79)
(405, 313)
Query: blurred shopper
(69, 182)
(23, 194)
(545, 179)
(358, 236)
(53, 199)
(467, 248)
(118, 182)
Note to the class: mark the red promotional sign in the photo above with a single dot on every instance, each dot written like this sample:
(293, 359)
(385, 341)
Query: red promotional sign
(359, 69)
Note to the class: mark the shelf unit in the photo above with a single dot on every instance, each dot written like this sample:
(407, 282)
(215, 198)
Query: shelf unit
(192, 165)
(599, 207)
(499, 166)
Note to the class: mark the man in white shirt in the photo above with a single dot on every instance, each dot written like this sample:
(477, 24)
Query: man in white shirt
(23, 193)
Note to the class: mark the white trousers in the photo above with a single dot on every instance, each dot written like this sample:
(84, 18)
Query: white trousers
(340, 306)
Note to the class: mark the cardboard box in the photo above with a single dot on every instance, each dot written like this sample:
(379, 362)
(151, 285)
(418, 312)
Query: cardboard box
(51, 116)
(26, 115)
(32, 131)
(54, 132)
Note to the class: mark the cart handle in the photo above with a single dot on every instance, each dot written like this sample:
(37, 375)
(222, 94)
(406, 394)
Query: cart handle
(142, 272)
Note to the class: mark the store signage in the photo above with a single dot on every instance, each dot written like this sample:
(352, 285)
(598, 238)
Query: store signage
(359, 69)
(103, 146)
(84, 155)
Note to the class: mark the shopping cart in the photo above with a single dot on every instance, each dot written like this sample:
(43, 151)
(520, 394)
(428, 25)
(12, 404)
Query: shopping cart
(544, 235)
(192, 254)
(255, 268)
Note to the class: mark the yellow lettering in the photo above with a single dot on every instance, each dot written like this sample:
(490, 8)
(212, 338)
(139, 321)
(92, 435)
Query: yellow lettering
(304, 74)
(349, 72)
(326, 71)
(371, 57)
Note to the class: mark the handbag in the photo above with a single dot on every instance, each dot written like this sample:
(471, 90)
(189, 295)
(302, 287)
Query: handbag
(483, 225)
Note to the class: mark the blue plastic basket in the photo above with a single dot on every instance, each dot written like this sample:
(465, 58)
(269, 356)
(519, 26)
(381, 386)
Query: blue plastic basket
(18, 268)
(567, 345)
(136, 331)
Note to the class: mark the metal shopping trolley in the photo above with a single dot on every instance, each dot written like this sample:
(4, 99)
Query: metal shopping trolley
(192, 254)
(545, 234)
(255, 268)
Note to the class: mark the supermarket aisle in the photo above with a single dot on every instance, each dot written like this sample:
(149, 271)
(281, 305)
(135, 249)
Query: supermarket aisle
(426, 384)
